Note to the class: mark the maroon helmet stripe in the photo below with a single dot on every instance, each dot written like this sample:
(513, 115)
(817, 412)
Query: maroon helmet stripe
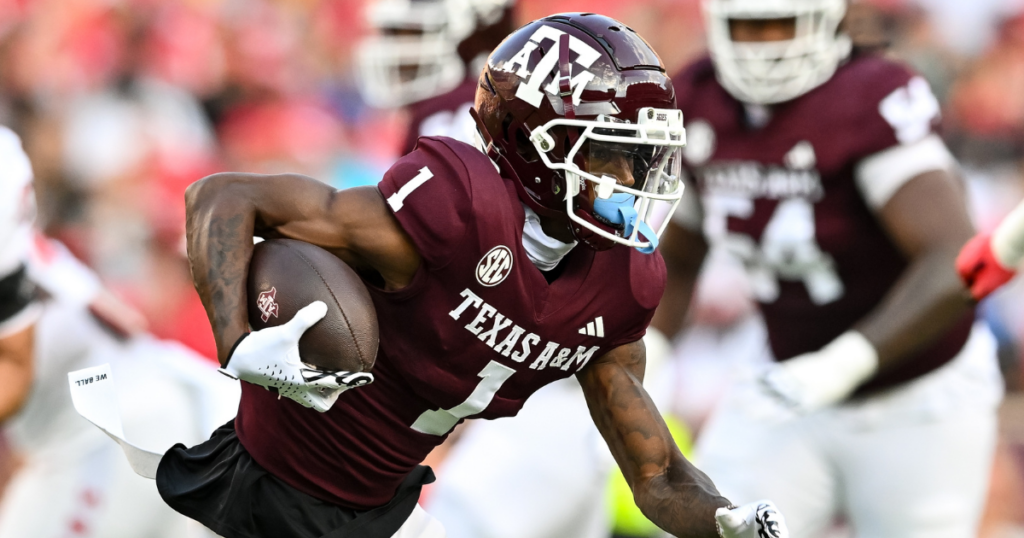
(564, 78)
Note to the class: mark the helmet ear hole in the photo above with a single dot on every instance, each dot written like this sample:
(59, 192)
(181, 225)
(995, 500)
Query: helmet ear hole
(525, 148)
(506, 123)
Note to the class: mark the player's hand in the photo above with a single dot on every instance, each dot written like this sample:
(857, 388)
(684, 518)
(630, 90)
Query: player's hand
(979, 267)
(270, 358)
(760, 519)
(812, 381)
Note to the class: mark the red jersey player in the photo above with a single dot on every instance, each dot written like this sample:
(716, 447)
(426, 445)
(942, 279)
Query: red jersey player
(580, 126)
(822, 171)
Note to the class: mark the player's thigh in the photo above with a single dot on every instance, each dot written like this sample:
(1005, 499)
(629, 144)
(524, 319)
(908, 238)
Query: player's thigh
(133, 508)
(45, 501)
(751, 457)
(926, 480)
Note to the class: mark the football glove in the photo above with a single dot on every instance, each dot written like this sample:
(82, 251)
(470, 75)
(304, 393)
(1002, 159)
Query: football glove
(980, 268)
(759, 519)
(270, 358)
(825, 377)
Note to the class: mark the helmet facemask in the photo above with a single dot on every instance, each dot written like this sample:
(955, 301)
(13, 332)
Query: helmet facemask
(769, 72)
(614, 172)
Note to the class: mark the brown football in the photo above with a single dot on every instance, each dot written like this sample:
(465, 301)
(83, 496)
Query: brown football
(286, 275)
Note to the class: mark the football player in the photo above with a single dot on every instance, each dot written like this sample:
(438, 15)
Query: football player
(71, 481)
(566, 499)
(581, 136)
(990, 260)
(19, 308)
(425, 57)
(820, 168)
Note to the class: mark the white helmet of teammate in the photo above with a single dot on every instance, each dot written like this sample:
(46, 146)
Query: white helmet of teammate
(414, 54)
(17, 203)
(776, 71)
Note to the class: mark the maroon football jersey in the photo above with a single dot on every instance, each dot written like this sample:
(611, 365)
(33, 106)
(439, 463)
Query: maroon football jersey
(475, 333)
(783, 197)
(443, 115)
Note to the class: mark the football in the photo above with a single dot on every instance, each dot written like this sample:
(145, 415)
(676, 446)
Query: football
(286, 275)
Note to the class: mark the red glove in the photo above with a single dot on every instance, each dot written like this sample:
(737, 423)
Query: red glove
(978, 267)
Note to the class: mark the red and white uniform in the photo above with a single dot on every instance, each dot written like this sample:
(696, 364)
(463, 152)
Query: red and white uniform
(477, 331)
(793, 192)
(72, 480)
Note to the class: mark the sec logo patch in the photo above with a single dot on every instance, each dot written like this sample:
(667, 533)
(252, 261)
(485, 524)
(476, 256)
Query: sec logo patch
(494, 266)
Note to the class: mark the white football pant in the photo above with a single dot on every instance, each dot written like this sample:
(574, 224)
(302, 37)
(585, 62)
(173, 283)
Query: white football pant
(911, 462)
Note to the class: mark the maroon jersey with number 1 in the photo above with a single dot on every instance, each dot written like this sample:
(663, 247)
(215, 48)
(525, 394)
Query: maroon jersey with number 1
(783, 197)
(475, 333)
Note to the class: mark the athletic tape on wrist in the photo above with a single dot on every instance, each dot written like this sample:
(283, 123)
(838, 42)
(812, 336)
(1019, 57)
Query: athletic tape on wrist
(1008, 239)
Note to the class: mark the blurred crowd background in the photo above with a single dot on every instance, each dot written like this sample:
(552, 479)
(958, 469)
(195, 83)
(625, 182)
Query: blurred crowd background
(123, 103)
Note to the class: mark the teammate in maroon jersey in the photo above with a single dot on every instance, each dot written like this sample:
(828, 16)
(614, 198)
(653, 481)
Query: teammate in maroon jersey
(580, 130)
(823, 172)
(425, 57)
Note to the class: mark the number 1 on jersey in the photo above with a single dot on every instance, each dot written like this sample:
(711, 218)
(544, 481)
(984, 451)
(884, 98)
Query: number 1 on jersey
(397, 200)
(441, 421)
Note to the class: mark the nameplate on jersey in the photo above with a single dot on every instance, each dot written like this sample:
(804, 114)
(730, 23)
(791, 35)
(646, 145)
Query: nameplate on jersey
(510, 340)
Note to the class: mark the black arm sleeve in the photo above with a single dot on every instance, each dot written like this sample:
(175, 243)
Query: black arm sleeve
(16, 293)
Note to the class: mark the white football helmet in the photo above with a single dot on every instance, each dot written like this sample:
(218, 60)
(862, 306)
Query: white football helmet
(414, 54)
(776, 71)
(17, 202)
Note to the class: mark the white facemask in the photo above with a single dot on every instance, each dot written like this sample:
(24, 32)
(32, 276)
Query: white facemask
(544, 251)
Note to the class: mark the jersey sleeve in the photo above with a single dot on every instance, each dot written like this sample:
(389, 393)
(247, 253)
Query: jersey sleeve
(899, 129)
(430, 194)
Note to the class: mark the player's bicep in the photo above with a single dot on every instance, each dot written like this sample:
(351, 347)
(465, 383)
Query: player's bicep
(357, 226)
(928, 213)
(625, 415)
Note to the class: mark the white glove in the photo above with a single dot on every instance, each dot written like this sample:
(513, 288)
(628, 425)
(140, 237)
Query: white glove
(270, 358)
(826, 377)
(759, 519)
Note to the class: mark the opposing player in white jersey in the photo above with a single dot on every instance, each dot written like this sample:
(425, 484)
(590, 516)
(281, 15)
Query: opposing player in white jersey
(72, 481)
(823, 172)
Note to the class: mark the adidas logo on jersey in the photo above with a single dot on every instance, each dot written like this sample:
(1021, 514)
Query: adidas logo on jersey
(594, 328)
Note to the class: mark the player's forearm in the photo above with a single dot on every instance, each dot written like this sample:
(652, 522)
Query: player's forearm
(669, 490)
(682, 500)
(919, 308)
(219, 229)
(15, 371)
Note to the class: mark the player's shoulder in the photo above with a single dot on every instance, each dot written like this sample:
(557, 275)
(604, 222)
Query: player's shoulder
(869, 78)
(451, 101)
(694, 77)
(436, 192)
(647, 275)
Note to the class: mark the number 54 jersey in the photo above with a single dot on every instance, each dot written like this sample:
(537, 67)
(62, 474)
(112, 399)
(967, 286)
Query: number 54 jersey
(475, 333)
(793, 192)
